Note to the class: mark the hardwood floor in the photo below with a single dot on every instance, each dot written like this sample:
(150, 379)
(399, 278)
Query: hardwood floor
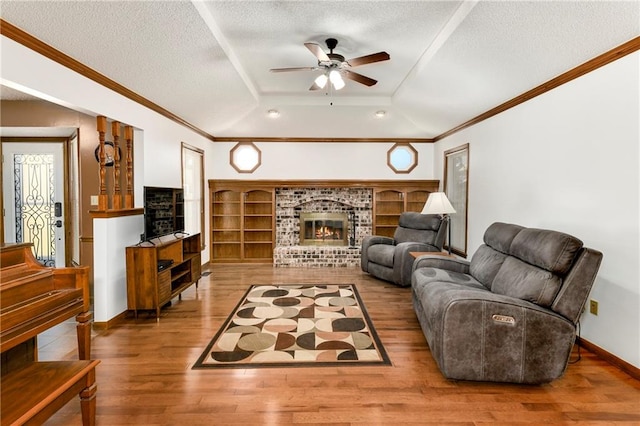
(145, 376)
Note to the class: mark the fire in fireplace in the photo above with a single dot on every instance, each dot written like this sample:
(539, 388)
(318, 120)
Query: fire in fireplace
(323, 229)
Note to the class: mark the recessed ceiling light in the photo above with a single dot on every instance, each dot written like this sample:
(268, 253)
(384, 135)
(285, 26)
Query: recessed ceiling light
(381, 113)
(273, 113)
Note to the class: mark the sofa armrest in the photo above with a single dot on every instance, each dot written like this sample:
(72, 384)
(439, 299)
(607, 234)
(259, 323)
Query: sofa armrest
(370, 240)
(441, 262)
(367, 242)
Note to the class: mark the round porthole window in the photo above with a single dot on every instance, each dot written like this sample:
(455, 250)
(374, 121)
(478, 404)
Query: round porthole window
(245, 157)
(402, 158)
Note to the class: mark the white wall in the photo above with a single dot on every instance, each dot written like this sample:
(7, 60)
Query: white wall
(568, 160)
(110, 237)
(311, 160)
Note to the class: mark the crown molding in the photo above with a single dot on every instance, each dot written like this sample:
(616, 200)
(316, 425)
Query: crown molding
(325, 140)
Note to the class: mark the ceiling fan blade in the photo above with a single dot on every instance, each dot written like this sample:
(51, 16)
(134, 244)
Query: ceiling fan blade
(359, 78)
(317, 51)
(314, 86)
(293, 69)
(368, 59)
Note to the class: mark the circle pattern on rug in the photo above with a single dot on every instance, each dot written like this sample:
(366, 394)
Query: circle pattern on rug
(281, 324)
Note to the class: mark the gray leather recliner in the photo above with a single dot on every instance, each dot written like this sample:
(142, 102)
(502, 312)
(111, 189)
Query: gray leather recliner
(389, 259)
(510, 314)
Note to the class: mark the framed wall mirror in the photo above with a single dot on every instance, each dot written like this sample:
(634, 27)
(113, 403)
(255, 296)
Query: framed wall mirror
(456, 186)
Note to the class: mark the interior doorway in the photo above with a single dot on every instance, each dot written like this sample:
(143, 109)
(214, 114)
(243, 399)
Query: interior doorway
(33, 176)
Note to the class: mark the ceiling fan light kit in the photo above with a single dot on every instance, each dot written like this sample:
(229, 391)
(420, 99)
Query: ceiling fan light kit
(321, 80)
(335, 68)
(336, 79)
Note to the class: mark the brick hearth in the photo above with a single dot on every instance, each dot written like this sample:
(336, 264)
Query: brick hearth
(316, 256)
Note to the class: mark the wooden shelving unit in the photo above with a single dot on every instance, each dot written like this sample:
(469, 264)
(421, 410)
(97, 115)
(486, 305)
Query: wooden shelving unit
(242, 223)
(151, 287)
(226, 223)
(388, 206)
(389, 203)
(258, 229)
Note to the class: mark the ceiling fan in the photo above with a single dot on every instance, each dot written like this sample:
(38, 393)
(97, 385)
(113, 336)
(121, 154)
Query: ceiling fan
(335, 67)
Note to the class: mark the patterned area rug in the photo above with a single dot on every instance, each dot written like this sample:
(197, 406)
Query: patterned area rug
(296, 325)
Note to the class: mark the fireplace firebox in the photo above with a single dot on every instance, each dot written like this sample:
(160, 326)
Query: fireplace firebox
(323, 229)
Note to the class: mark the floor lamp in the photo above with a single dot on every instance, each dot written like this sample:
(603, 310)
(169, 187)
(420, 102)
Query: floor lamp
(438, 203)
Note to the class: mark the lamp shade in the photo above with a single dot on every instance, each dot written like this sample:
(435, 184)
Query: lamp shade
(438, 203)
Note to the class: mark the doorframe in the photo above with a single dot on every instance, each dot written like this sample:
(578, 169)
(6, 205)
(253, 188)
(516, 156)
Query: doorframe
(66, 141)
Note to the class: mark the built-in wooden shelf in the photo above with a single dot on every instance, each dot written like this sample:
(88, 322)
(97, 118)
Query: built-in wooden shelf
(239, 214)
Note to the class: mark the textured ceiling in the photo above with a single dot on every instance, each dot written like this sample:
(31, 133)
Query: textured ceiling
(9, 94)
(208, 62)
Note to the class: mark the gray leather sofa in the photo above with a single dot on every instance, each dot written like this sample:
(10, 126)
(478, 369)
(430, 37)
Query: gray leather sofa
(510, 314)
(389, 259)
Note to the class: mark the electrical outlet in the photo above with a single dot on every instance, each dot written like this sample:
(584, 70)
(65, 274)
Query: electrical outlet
(593, 307)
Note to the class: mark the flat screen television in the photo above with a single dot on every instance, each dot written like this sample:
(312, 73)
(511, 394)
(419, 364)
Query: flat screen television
(163, 211)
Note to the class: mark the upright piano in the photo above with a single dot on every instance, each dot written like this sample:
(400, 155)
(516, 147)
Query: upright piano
(34, 298)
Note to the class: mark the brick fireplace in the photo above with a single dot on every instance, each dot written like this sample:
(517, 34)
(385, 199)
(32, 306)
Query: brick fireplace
(291, 203)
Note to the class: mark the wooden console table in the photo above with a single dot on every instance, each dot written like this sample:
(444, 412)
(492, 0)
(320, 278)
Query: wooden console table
(417, 254)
